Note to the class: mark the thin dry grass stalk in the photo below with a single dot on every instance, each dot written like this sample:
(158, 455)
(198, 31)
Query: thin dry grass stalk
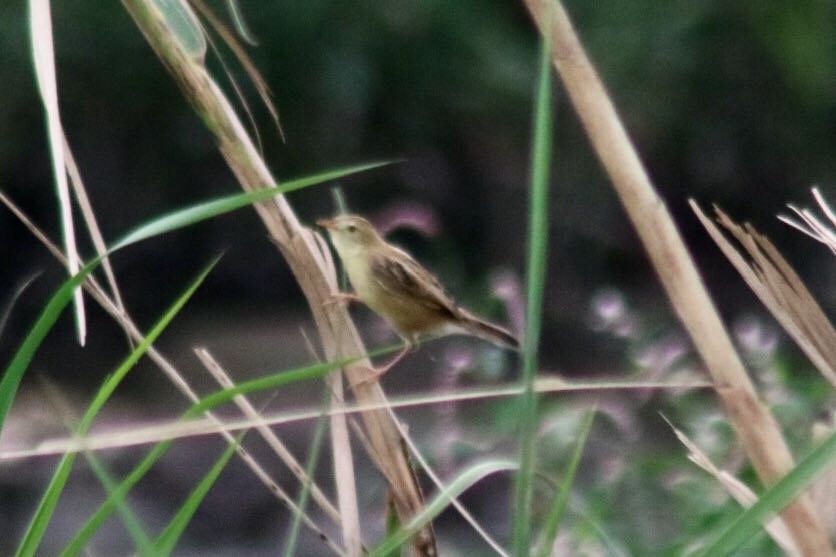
(139, 434)
(217, 371)
(90, 221)
(811, 225)
(755, 426)
(299, 248)
(780, 289)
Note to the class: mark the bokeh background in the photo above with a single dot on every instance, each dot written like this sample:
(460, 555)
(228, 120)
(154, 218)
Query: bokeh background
(726, 103)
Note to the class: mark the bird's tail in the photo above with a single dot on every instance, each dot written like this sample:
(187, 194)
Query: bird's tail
(469, 324)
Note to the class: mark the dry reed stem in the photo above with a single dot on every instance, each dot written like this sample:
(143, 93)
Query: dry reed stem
(343, 461)
(98, 293)
(299, 248)
(343, 466)
(755, 426)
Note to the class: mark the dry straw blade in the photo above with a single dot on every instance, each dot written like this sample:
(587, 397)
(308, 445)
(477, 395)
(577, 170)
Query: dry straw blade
(738, 490)
(811, 225)
(40, 27)
(779, 287)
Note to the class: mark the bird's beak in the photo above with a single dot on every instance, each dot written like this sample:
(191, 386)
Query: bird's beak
(327, 224)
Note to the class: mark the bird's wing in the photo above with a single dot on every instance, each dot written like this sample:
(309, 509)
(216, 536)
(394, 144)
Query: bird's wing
(397, 272)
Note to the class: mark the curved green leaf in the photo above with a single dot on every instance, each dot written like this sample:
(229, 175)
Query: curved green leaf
(34, 533)
(774, 499)
(440, 502)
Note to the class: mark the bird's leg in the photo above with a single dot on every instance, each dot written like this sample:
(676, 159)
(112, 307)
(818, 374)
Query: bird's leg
(389, 365)
(341, 298)
(377, 372)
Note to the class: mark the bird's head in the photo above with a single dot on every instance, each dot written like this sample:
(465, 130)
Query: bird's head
(350, 234)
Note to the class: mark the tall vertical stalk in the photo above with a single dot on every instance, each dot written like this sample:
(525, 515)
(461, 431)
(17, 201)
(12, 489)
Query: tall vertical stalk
(538, 212)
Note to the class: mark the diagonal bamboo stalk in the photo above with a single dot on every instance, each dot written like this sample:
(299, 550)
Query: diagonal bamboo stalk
(299, 248)
(757, 429)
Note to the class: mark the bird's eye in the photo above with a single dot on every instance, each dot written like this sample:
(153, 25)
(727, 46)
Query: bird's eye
(351, 229)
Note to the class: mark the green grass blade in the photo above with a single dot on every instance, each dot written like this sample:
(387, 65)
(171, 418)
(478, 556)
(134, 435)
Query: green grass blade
(171, 535)
(263, 383)
(184, 25)
(132, 524)
(241, 25)
(536, 276)
(110, 385)
(114, 498)
(20, 362)
(552, 523)
(393, 524)
(313, 458)
(209, 209)
(83, 536)
(280, 379)
(17, 367)
(774, 499)
(440, 502)
(34, 533)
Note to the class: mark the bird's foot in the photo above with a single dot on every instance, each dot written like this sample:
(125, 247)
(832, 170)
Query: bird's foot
(373, 377)
(375, 373)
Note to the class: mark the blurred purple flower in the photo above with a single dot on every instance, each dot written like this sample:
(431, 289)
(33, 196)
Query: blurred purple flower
(412, 215)
(758, 340)
(457, 359)
(610, 313)
(507, 286)
(658, 357)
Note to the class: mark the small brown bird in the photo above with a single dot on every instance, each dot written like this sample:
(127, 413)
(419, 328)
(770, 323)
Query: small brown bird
(399, 289)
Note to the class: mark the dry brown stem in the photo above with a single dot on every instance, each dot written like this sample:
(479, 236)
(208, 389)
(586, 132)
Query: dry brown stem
(755, 426)
(301, 251)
